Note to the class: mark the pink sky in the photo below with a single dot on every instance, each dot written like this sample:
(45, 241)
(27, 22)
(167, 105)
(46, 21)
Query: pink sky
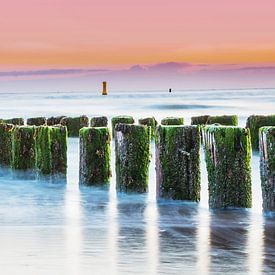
(123, 32)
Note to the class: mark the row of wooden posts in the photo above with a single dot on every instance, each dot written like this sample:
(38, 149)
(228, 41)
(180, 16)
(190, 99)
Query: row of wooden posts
(227, 150)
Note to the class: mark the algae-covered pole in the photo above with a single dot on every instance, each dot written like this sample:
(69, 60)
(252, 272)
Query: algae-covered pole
(121, 119)
(23, 147)
(230, 120)
(74, 124)
(267, 166)
(132, 147)
(6, 144)
(228, 154)
(37, 121)
(54, 120)
(51, 149)
(254, 123)
(172, 121)
(199, 120)
(150, 122)
(14, 121)
(178, 162)
(94, 167)
(100, 121)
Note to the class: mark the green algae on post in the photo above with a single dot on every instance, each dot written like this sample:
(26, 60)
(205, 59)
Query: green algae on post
(100, 121)
(132, 148)
(54, 120)
(178, 162)
(267, 166)
(199, 120)
(15, 121)
(23, 147)
(172, 121)
(95, 155)
(231, 120)
(51, 149)
(6, 144)
(254, 123)
(37, 121)
(228, 157)
(150, 122)
(74, 124)
(121, 119)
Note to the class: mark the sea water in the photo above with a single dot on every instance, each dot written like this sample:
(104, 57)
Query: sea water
(61, 228)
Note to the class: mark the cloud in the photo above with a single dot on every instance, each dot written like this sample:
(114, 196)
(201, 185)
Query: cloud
(49, 72)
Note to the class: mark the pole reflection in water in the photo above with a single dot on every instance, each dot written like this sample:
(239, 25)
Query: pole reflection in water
(269, 244)
(151, 218)
(255, 229)
(113, 219)
(73, 212)
(203, 219)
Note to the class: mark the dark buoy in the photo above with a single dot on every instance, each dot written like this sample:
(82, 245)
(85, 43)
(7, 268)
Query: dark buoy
(170, 90)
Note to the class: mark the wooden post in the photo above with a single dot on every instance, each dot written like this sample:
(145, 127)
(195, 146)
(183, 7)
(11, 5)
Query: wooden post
(178, 162)
(95, 155)
(228, 156)
(132, 146)
(267, 166)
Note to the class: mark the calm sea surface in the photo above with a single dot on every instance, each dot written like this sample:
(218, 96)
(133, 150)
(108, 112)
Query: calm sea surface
(59, 228)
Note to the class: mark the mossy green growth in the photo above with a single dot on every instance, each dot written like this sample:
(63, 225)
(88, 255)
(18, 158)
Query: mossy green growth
(74, 124)
(228, 156)
(231, 120)
(199, 120)
(95, 155)
(51, 149)
(121, 119)
(267, 166)
(15, 121)
(132, 147)
(254, 123)
(23, 147)
(6, 144)
(100, 121)
(172, 121)
(37, 121)
(54, 120)
(178, 162)
(150, 122)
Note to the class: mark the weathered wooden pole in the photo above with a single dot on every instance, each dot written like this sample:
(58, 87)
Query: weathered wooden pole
(36, 121)
(74, 124)
(6, 131)
(172, 121)
(149, 122)
(54, 120)
(95, 155)
(231, 120)
(100, 121)
(51, 149)
(228, 154)
(267, 166)
(254, 123)
(132, 147)
(178, 162)
(14, 121)
(121, 119)
(199, 120)
(23, 148)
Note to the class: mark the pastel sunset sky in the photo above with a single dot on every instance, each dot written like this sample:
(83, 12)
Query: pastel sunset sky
(124, 32)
